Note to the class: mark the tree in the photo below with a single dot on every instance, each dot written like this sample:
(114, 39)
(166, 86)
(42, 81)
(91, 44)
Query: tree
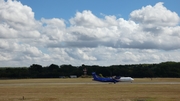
(36, 71)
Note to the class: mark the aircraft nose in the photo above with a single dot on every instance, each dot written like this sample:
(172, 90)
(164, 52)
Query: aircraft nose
(132, 79)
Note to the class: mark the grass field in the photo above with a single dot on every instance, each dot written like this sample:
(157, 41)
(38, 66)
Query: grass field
(83, 89)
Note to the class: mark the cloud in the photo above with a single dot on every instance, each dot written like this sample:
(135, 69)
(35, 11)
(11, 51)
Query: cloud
(87, 19)
(17, 20)
(158, 24)
(153, 16)
(150, 35)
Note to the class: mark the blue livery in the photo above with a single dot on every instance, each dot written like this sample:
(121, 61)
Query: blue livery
(102, 79)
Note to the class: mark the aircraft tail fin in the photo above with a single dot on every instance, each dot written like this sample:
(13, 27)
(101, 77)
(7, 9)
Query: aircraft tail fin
(94, 75)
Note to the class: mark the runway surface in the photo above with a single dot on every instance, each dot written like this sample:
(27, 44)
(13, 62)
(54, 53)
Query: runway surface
(89, 83)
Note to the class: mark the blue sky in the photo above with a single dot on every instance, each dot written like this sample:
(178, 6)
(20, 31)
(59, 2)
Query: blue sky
(66, 9)
(91, 32)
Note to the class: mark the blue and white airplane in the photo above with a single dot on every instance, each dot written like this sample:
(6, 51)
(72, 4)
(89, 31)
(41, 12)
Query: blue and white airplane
(111, 79)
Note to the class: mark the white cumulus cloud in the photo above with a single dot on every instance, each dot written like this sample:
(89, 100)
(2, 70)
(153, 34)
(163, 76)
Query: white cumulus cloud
(150, 35)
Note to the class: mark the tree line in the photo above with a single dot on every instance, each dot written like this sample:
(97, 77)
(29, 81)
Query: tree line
(164, 69)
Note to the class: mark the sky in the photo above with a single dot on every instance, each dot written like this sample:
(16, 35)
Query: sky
(90, 32)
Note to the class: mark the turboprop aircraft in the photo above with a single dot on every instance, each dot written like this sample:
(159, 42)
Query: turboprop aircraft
(111, 79)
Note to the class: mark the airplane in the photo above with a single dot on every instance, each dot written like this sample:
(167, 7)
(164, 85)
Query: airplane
(111, 79)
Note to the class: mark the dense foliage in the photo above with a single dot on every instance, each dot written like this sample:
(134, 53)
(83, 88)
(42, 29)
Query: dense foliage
(165, 69)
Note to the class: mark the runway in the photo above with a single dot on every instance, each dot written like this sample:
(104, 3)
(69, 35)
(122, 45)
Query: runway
(92, 83)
